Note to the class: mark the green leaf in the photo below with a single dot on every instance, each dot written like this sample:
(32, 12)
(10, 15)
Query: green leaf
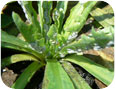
(17, 58)
(11, 46)
(12, 39)
(102, 17)
(78, 81)
(30, 13)
(12, 42)
(25, 77)
(59, 14)
(52, 33)
(97, 70)
(55, 77)
(29, 32)
(28, 50)
(78, 16)
(41, 42)
(104, 36)
(108, 9)
(96, 40)
(44, 9)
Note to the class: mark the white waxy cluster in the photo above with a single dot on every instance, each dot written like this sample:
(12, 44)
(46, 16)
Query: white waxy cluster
(73, 36)
(62, 55)
(71, 51)
(78, 51)
(96, 47)
(61, 9)
(56, 12)
(31, 47)
(55, 35)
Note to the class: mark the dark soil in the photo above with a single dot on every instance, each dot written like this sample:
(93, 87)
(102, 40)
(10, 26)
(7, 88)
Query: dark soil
(36, 81)
(87, 76)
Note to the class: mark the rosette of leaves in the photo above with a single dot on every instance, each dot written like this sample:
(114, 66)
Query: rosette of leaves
(48, 43)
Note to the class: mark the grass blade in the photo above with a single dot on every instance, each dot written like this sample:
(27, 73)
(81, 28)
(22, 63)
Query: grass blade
(11, 46)
(102, 17)
(100, 72)
(17, 58)
(108, 9)
(91, 41)
(25, 77)
(29, 32)
(44, 9)
(59, 14)
(78, 81)
(30, 13)
(55, 77)
(10, 41)
(78, 16)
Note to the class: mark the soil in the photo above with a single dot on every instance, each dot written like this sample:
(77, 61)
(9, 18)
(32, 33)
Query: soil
(86, 76)
(8, 77)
